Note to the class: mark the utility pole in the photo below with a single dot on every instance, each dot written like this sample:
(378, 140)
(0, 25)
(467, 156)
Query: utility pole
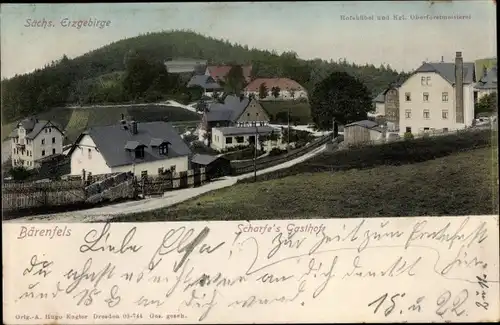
(288, 130)
(333, 128)
(255, 154)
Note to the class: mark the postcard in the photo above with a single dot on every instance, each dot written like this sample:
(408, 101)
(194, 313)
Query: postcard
(250, 162)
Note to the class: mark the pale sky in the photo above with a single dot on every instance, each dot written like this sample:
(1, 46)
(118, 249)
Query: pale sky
(312, 29)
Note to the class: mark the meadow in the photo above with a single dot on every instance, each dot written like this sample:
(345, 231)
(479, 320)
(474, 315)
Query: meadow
(300, 112)
(76, 120)
(461, 183)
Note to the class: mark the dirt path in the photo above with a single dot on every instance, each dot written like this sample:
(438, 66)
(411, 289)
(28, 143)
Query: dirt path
(168, 199)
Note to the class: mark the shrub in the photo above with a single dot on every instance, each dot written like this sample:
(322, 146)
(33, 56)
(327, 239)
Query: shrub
(408, 135)
(277, 152)
(20, 173)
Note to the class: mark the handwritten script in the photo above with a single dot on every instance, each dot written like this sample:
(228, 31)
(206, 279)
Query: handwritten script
(340, 270)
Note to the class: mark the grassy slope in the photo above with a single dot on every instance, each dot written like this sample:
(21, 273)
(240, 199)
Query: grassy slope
(76, 120)
(458, 184)
(297, 109)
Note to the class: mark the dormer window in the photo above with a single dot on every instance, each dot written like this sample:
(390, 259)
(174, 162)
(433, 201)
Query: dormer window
(139, 153)
(163, 149)
(161, 145)
(137, 148)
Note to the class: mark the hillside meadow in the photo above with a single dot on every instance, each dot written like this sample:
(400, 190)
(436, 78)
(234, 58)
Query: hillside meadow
(300, 112)
(75, 120)
(449, 175)
(462, 183)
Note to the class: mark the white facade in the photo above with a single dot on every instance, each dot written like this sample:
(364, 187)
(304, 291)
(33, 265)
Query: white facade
(86, 157)
(283, 95)
(221, 141)
(427, 102)
(26, 152)
(379, 109)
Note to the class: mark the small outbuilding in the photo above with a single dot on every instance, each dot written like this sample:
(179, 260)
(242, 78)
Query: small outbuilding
(215, 166)
(363, 132)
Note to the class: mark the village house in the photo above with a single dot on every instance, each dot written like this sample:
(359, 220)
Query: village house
(438, 96)
(207, 83)
(487, 84)
(387, 105)
(229, 137)
(235, 111)
(33, 140)
(219, 72)
(360, 132)
(141, 148)
(288, 89)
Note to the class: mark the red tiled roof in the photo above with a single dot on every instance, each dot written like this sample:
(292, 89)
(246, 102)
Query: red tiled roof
(220, 71)
(282, 83)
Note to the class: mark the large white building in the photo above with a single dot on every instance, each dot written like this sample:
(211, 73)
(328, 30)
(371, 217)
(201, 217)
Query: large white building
(288, 89)
(141, 148)
(438, 96)
(33, 140)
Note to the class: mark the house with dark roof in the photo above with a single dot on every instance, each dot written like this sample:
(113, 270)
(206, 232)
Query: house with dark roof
(487, 84)
(234, 111)
(438, 96)
(34, 140)
(364, 131)
(141, 148)
(288, 89)
(219, 72)
(386, 104)
(207, 83)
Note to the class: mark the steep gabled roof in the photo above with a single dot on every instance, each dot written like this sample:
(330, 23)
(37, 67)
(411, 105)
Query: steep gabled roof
(231, 110)
(380, 98)
(447, 71)
(206, 82)
(33, 127)
(114, 142)
(489, 81)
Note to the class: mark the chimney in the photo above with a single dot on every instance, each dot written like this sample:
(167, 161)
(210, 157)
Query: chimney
(134, 127)
(459, 88)
(442, 59)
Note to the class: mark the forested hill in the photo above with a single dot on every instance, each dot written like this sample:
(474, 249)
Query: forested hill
(82, 79)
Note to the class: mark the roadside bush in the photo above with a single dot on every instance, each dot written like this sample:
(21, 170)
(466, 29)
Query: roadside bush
(408, 136)
(393, 153)
(20, 173)
(276, 152)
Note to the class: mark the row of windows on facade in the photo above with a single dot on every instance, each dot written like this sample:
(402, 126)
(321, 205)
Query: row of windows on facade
(408, 129)
(251, 123)
(29, 153)
(425, 97)
(161, 171)
(139, 152)
(28, 141)
(23, 162)
(427, 114)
